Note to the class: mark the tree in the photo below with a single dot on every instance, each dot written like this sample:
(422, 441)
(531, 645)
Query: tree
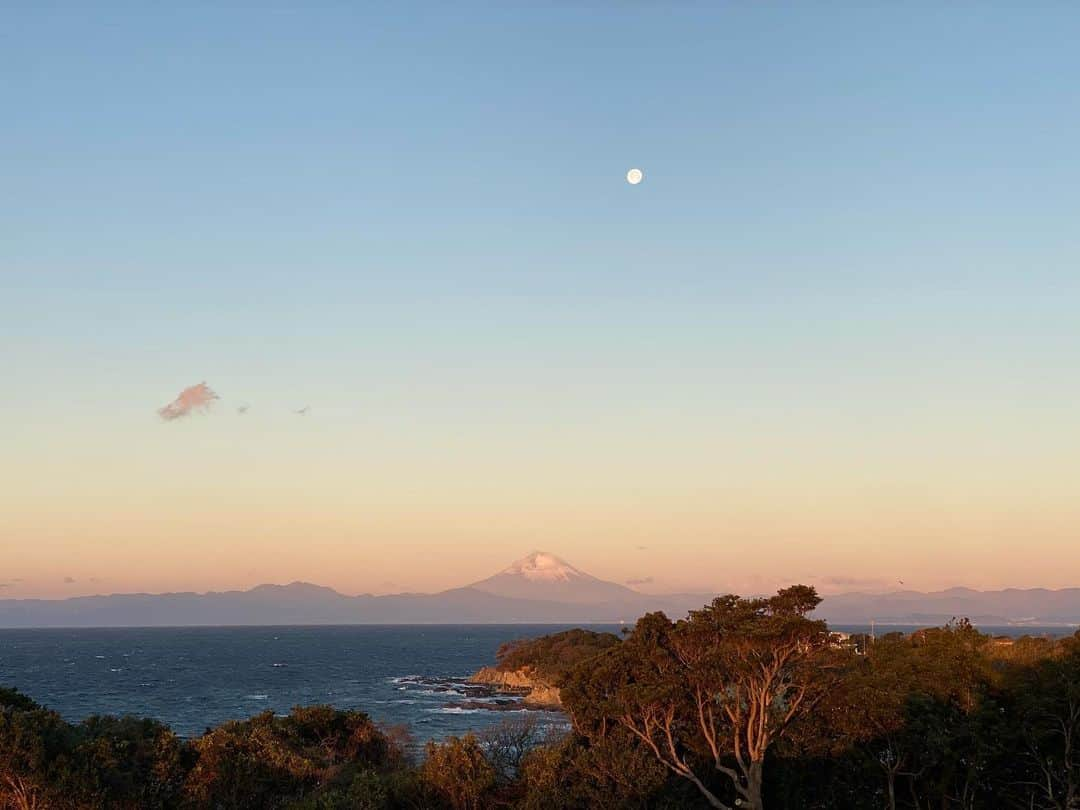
(505, 744)
(14, 699)
(459, 772)
(36, 748)
(1046, 713)
(613, 773)
(269, 761)
(713, 691)
(907, 707)
(127, 762)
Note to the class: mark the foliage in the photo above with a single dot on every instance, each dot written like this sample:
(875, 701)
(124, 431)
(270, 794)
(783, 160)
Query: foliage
(458, 771)
(108, 762)
(269, 761)
(367, 790)
(944, 718)
(506, 744)
(1043, 709)
(14, 699)
(607, 774)
(554, 655)
(712, 692)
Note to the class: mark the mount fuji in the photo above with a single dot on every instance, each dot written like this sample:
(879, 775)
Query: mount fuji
(541, 575)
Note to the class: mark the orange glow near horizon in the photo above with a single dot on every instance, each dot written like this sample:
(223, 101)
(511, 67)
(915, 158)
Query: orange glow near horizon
(140, 523)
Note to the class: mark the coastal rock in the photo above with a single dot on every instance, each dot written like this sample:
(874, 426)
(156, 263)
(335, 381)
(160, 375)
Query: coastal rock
(534, 690)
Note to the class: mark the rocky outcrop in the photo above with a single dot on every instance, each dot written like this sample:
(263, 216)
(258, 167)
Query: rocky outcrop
(534, 690)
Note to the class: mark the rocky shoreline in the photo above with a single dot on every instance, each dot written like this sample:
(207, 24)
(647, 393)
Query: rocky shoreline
(533, 691)
(487, 690)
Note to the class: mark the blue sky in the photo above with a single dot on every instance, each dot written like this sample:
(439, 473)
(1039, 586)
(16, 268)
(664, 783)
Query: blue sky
(856, 242)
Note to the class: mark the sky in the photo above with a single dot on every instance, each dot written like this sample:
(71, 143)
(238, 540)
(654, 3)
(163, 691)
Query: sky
(832, 338)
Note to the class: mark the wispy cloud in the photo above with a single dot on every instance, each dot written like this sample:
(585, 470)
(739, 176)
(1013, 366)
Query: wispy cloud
(641, 581)
(841, 581)
(844, 583)
(192, 398)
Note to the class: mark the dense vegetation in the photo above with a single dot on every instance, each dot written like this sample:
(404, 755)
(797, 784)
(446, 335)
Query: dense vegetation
(744, 703)
(553, 656)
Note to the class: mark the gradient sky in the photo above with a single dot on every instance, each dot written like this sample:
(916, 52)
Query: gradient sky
(833, 337)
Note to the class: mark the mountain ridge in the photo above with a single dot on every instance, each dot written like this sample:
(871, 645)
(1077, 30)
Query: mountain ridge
(538, 588)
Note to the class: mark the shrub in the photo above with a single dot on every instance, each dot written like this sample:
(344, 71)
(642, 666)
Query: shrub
(458, 772)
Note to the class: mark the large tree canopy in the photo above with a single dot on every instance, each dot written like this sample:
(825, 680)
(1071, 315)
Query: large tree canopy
(714, 691)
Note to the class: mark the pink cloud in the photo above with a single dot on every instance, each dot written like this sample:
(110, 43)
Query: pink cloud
(195, 397)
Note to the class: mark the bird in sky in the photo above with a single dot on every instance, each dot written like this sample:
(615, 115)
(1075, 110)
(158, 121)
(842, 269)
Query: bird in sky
(303, 411)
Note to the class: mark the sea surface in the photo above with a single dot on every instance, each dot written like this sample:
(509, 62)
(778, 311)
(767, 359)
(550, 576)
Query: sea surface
(197, 677)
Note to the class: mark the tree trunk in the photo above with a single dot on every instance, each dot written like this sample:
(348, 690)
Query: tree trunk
(914, 794)
(754, 776)
(891, 779)
(709, 796)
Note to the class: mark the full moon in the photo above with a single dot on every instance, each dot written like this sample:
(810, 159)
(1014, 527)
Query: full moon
(634, 176)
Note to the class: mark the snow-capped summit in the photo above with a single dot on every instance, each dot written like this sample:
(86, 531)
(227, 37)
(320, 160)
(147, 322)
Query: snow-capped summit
(543, 576)
(540, 566)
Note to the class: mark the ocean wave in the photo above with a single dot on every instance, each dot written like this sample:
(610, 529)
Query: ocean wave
(439, 692)
(454, 710)
(256, 697)
(460, 710)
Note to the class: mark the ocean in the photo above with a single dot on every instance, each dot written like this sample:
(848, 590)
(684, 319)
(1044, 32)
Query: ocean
(197, 677)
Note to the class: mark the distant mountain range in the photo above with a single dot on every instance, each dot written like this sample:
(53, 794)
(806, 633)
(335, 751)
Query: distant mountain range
(539, 588)
(1012, 606)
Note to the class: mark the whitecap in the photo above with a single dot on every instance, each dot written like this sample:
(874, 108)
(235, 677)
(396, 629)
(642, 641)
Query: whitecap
(453, 710)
